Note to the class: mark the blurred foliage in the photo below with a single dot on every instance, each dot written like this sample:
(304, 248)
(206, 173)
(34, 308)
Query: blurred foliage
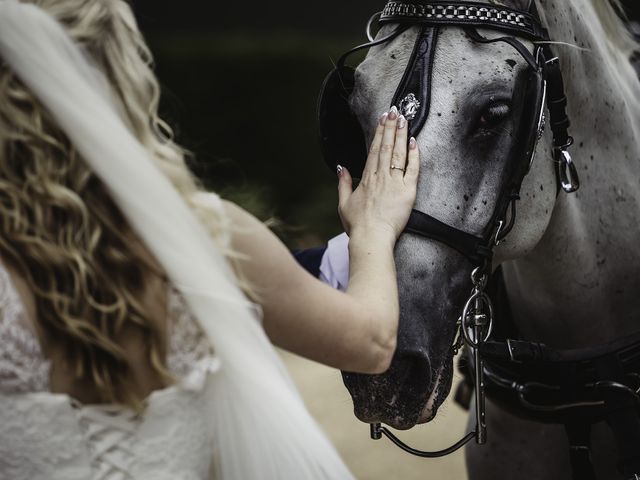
(245, 105)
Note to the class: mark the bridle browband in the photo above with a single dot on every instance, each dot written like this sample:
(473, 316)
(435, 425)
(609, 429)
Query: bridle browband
(523, 24)
(342, 146)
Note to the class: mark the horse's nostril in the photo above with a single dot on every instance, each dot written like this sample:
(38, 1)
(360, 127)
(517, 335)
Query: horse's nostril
(417, 379)
(396, 397)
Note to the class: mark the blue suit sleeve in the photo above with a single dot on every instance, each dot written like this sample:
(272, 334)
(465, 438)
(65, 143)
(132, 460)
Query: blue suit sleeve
(310, 259)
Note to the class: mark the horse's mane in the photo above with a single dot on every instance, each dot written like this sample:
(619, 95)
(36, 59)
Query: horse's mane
(609, 14)
(610, 38)
(608, 17)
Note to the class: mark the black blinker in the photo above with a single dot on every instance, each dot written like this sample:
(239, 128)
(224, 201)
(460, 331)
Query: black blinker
(341, 136)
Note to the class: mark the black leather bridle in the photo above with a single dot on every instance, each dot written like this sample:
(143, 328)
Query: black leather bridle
(342, 142)
(342, 139)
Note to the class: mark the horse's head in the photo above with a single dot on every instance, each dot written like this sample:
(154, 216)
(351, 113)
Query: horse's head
(468, 146)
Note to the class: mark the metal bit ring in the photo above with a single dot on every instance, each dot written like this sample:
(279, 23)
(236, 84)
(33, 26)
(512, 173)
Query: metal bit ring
(469, 307)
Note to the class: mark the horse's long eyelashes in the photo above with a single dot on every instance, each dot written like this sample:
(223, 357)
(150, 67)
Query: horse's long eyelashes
(493, 115)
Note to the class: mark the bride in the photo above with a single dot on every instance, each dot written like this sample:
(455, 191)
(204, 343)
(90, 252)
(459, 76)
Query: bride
(135, 309)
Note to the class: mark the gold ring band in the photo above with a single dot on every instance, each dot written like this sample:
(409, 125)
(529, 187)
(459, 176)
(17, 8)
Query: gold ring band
(395, 167)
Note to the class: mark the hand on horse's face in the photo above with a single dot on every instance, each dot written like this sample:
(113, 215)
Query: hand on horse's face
(382, 202)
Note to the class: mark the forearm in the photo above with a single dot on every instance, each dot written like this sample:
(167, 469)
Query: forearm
(372, 283)
(355, 331)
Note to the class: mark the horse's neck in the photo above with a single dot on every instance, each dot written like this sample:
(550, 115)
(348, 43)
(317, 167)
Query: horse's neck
(581, 285)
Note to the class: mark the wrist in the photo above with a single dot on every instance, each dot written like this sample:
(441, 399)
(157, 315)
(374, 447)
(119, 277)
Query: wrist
(372, 237)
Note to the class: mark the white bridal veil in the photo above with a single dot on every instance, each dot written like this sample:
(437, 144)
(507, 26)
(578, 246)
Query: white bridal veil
(260, 424)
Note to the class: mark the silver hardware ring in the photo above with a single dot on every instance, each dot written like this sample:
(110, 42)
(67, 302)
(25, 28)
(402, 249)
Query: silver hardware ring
(568, 173)
(484, 299)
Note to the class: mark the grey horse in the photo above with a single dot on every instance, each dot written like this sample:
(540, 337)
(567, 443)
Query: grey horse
(571, 265)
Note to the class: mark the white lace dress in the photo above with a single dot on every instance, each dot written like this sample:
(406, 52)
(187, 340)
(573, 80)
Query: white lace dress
(50, 436)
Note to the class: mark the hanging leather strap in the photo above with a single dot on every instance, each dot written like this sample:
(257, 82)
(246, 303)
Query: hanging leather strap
(557, 100)
(579, 435)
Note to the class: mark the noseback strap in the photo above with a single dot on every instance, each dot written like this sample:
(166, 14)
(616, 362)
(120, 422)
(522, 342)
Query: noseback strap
(413, 96)
(465, 14)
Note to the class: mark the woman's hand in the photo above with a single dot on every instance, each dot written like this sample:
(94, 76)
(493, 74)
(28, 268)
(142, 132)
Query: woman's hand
(356, 332)
(382, 202)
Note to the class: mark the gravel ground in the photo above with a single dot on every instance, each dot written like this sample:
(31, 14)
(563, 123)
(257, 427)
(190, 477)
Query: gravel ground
(330, 404)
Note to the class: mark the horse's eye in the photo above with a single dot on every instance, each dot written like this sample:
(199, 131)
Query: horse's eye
(493, 115)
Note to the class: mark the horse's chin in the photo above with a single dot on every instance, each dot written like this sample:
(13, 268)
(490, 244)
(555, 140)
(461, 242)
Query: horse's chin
(401, 416)
(442, 386)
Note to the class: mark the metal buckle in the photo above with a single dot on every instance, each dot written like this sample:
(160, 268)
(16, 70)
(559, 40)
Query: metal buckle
(568, 172)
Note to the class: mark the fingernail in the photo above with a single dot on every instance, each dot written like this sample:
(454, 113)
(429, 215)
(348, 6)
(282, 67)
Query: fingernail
(401, 122)
(383, 118)
(393, 113)
(412, 143)
(339, 170)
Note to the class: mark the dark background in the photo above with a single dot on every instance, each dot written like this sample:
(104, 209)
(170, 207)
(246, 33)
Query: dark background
(240, 82)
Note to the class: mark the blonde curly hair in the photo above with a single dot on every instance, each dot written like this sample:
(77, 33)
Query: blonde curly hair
(59, 225)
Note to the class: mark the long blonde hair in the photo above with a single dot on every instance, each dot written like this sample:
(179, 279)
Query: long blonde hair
(58, 223)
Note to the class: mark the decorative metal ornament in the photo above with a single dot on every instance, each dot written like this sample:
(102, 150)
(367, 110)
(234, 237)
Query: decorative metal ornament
(451, 13)
(409, 106)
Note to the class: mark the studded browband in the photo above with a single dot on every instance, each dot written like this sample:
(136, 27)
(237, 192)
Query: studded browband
(464, 14)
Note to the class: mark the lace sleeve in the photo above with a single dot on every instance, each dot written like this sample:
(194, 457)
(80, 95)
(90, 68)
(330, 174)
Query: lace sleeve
(23, 367)
(188, 345)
